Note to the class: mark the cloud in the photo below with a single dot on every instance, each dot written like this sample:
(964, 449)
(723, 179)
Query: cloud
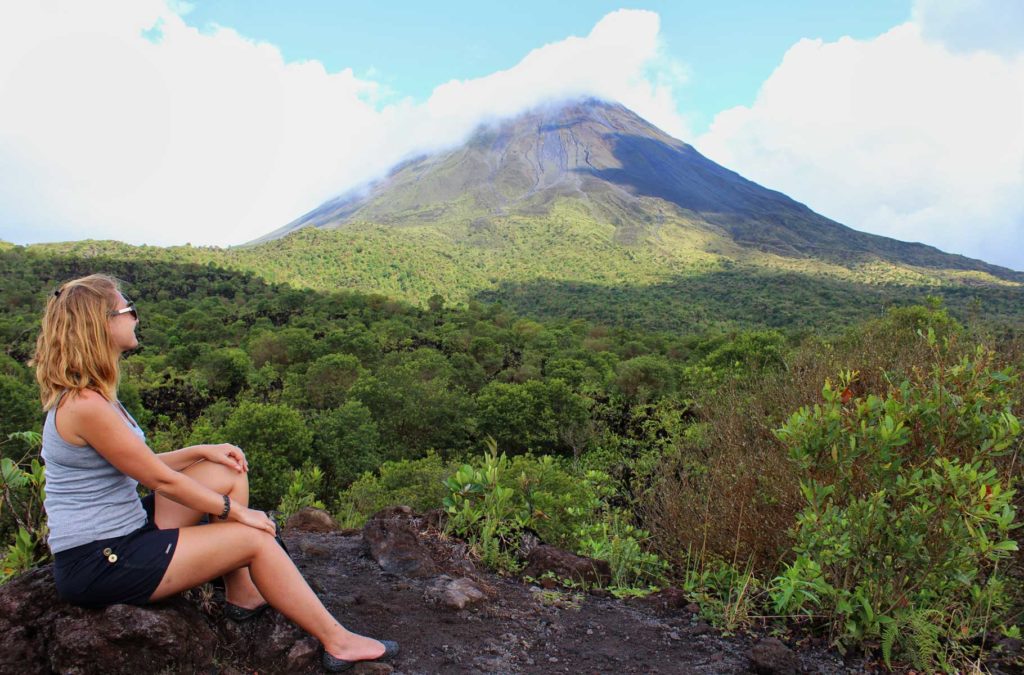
(917, 134)
(121, 121)
(973, 25)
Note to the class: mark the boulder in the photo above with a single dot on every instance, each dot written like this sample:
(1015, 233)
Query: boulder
(564, 565)
(771, 657)
(455, 593)
(41, 634)
(392, 537)
(668, 600)
(310, 519)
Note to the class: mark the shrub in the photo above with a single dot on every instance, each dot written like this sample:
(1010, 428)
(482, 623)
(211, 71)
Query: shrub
(22, 492)
(730, 490)
(496, 501)
(906, 513)
(302, 491)
(416, 483)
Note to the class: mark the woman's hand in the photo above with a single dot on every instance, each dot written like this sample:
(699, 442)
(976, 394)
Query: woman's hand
(253, 518)
(228, 455)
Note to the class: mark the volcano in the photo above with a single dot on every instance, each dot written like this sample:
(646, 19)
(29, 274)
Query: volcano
(624, 172)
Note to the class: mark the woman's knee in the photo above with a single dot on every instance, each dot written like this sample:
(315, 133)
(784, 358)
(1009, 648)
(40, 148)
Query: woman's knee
(215, 476)
(263, 542)
(242, 537)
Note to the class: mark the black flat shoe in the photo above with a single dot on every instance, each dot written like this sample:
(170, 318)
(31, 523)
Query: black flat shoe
(333, 664)
(240, 614)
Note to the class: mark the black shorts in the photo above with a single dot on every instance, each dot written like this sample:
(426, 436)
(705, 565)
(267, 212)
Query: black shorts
(86, 575)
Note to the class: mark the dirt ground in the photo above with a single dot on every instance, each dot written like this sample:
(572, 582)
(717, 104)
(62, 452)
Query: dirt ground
(519, 628)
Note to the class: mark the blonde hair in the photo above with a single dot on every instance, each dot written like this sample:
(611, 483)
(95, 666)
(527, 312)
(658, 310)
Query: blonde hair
(75, 350)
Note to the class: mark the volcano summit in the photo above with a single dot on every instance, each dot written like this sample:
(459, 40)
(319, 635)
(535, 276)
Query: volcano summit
(613, 166)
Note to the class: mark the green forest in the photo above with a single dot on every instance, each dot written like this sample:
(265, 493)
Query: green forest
(815, 454)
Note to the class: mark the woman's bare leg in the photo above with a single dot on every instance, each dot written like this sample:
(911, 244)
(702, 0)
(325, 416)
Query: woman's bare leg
(210, 551)
(238, 586)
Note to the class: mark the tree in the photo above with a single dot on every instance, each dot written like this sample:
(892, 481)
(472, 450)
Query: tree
(346, 443)
(275, 440)
(645, 378)
(282, 348)
(329, 378)
(19, 407)
(535, 415)
(224, 371)
(415, 404)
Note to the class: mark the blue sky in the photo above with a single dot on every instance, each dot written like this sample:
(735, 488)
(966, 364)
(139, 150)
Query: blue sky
(729, 48)
(163, 122)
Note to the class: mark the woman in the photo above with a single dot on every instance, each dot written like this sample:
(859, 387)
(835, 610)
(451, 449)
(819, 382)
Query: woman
(111, 547)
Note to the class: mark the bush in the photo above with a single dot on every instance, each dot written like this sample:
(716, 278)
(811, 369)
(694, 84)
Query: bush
(346, 442)
(275, 439)
(497, 501)
(302, 491)
(906, 515)
(416, 483)
(22, 519)
(730, 489)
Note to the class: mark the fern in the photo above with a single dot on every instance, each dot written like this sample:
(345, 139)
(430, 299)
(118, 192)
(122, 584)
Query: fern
(918, 635)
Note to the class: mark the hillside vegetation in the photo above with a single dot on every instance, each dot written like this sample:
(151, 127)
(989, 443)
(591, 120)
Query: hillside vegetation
(567, 265)
(856, 480)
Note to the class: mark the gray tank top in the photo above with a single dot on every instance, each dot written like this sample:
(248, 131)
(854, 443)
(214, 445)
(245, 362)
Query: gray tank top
(87, 498)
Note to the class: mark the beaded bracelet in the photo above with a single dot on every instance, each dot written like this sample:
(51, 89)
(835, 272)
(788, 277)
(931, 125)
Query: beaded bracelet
(227, 508)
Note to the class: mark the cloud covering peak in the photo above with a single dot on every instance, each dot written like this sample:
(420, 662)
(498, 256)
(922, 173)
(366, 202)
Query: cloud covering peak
(903, 135)
(121, 121)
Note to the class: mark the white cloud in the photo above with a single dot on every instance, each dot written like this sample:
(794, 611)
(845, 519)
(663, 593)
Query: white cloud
(121, 121)
(902, 135)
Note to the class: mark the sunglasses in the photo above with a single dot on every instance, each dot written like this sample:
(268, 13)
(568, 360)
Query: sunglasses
(130, 309)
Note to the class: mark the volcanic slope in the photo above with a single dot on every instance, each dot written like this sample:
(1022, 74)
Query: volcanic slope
(586, 210)
(625, 173)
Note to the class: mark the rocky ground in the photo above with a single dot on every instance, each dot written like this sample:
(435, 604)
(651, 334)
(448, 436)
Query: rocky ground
(399, 579)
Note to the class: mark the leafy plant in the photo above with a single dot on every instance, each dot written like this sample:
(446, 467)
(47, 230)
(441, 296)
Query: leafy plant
(302, 491)
(495, 503)
(23, 489)
(726, 594)
(623, 546)
(416, 483)
(906, 515)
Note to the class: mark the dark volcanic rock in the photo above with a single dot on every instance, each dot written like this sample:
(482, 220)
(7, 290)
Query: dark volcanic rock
(41, 634)
(565, 565)
(394, 542)
(455, 593)
(514, 629)
(311, 520)
(772, 657)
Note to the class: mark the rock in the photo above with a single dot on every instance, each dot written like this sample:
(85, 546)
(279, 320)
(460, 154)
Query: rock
(302, 655)
(310, 519)
(702, 628)
(772, 657)
(314, 549)
(565, 565)
(667, 599)
(372, 668)
(435, 519)
(274, 639)
(41, 634)
(457, 593)
(393, 538)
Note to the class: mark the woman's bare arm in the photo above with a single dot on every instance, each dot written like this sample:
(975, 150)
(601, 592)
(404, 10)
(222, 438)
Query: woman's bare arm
(90, 417)
(223, 453)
